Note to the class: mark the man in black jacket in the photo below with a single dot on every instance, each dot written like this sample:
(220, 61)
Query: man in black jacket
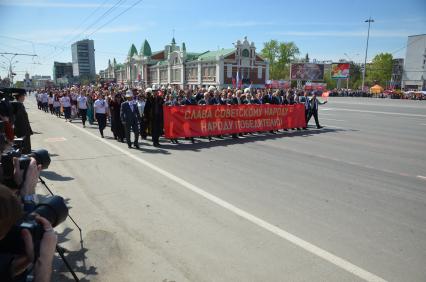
(21, 122)
(157, 118)
(314, 103)
(130, 117)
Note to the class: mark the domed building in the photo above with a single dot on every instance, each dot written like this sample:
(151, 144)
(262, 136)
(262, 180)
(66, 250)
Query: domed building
(239, 66)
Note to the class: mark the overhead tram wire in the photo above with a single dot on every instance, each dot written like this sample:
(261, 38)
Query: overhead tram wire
(62, 42)
(405, 46)
(105, 14)
(102, 26)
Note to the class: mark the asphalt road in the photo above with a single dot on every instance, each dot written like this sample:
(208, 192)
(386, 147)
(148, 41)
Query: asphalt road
(345, 203)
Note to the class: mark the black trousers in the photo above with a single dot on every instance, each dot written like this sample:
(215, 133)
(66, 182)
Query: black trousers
(142, 129)
(307, 116)
(83, 114)
(132, 126)
(315, 114)
(101, 118)
(156, 132)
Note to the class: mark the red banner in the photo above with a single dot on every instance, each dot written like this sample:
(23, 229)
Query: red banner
(192, 121)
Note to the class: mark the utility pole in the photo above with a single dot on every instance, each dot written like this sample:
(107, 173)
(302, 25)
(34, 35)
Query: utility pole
(11, 63)
(369, 21)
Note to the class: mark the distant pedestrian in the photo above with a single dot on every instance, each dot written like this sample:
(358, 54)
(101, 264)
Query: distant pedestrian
(101, 111)
(82, 107)
(66, 106)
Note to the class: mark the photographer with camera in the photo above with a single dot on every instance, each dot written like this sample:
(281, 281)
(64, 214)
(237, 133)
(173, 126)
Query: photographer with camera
(27, 240)
(15, 266)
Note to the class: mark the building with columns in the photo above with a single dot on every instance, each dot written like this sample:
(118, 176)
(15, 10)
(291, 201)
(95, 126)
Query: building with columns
(175, 66)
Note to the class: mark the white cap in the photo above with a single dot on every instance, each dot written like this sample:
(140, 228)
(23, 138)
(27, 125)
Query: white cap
(212, 89)
(247, 90)
(129, 94)
(148, 90)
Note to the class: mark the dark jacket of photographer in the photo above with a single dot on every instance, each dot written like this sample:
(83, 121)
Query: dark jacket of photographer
(22, 125)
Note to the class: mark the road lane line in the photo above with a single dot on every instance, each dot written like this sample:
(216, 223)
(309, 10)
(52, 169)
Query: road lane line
(377, 112)
(311, 248)
(421, 177)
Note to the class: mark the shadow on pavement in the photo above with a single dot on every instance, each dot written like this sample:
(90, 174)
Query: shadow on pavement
(76, 260)
(202, 143)
(51, 175)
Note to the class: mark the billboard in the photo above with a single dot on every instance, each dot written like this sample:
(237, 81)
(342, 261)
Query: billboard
(340, 71)
(278, 84)
(305, 71)
(315, 86)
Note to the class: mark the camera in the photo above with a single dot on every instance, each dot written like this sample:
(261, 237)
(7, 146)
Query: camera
(40, 155)
(52, 208)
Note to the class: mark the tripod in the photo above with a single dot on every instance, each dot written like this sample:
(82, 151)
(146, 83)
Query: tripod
(59, 249)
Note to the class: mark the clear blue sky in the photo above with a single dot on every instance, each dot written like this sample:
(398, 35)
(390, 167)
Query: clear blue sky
(324, 29)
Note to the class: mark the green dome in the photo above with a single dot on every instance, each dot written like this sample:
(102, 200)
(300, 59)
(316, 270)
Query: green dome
(146, 49)
(133, 51)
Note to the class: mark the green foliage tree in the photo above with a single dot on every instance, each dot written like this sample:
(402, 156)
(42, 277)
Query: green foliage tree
(307, 58)
(19, 84)
(355, 76)
(279, 55)
(380, 69)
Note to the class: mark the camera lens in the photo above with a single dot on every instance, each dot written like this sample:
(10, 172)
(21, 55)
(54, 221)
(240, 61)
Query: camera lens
(42, 157)
(53, 209)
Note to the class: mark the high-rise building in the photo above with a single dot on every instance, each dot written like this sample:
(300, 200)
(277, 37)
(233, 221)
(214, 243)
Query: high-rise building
(62, 70)
(414, 75)
(83, 58)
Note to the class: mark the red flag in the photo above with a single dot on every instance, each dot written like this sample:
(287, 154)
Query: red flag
(325, 95)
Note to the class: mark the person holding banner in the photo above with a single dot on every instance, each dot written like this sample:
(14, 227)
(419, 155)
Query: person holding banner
(314, 103)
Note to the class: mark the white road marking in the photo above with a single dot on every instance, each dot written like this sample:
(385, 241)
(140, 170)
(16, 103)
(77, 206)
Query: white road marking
(313, 249)
(421, 177)
(332, 126)
(377, 112)
(55, 139)
(332, 119)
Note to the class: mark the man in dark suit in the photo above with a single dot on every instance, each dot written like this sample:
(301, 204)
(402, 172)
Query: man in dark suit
(157, 118)
(130, 116)
(21, 122)
(314, 110)
(267, 98)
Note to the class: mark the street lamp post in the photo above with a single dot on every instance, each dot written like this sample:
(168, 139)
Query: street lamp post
(369, 21)
(12, 63)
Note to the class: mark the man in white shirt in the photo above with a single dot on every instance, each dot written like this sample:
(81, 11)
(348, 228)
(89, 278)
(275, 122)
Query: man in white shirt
(82, 107)
(101, 111)
(66, 105)
(44, 101)
(50, 102)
